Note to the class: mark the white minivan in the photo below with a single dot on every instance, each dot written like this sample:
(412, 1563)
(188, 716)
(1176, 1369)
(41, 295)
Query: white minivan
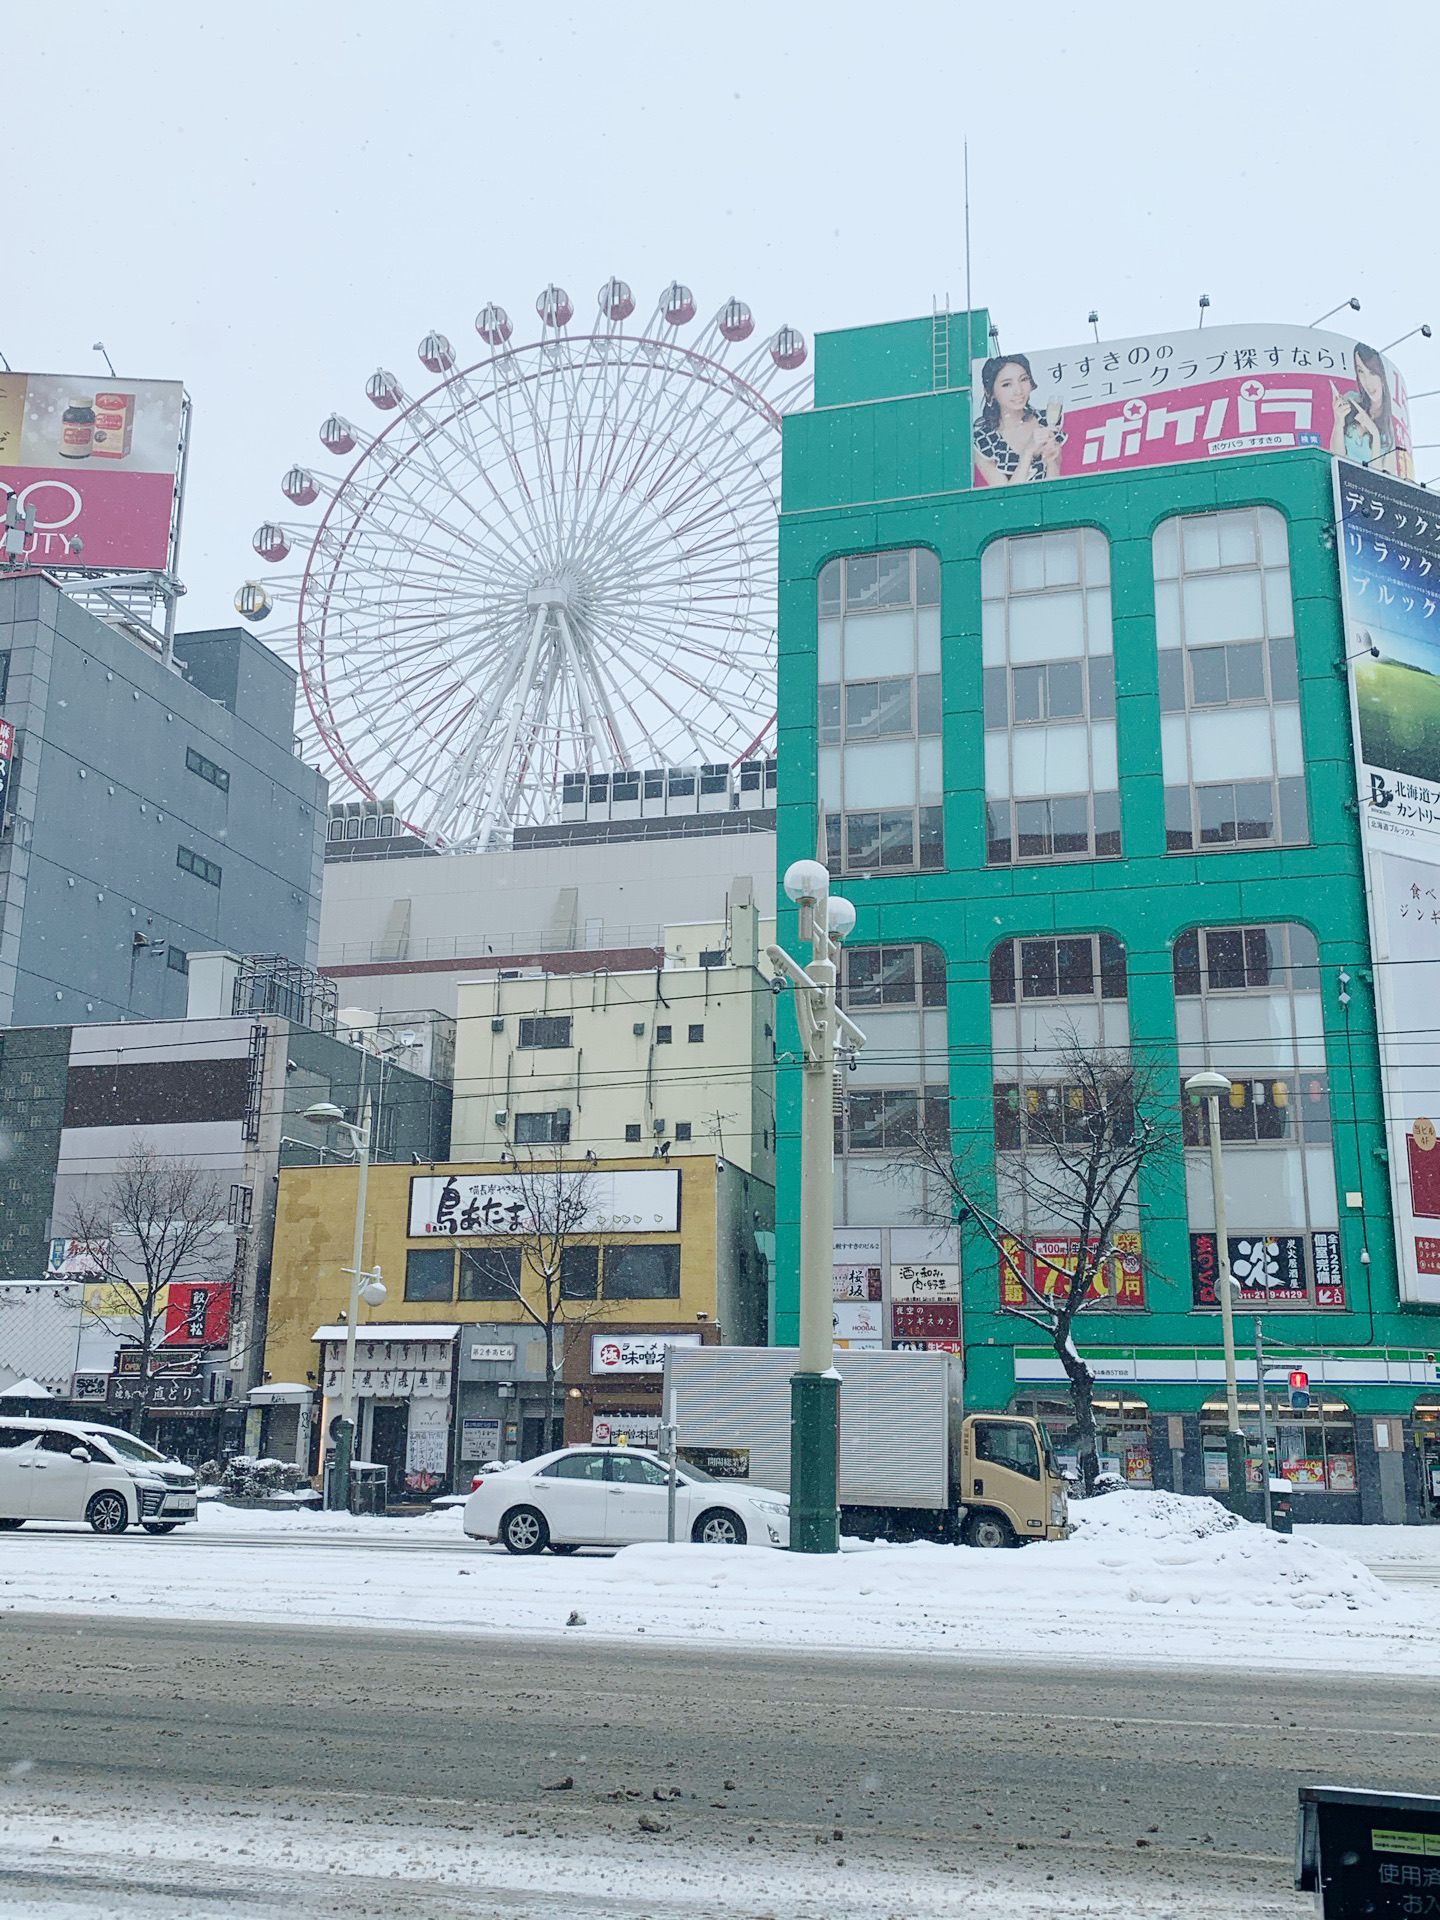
(73, 1470)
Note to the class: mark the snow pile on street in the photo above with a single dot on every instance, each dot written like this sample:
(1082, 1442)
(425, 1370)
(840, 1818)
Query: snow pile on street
(1146, 1577)
(1151, 1516)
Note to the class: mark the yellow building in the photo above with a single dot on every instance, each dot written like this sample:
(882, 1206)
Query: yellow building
(452, 1370)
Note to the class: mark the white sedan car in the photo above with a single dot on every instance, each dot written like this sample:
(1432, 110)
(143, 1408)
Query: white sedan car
(617, 1497)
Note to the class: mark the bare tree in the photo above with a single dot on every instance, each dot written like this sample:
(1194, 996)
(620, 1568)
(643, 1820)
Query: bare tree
(155, 1223)
(551, 1216)
(1078, 1144)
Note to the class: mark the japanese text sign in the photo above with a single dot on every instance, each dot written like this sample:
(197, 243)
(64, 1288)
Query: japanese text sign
(1120, 1281)
(471, 1205)
(1165, 399)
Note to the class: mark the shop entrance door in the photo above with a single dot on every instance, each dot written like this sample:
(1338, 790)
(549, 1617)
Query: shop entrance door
(532, 1436)
(1428, 1445)
(389, 1424)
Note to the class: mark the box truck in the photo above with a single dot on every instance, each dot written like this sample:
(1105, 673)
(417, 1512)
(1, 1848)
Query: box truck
(913, 1463)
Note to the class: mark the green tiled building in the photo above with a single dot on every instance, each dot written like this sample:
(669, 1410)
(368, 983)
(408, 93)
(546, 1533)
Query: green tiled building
(1080, 755)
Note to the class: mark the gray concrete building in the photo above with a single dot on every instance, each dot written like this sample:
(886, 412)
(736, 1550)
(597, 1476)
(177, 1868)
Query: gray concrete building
(153, 809)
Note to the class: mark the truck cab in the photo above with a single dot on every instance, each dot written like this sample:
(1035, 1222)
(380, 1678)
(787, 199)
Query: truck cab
(1010, 1486)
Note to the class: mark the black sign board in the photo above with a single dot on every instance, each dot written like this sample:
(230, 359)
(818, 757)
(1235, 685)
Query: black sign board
(1368, 1854)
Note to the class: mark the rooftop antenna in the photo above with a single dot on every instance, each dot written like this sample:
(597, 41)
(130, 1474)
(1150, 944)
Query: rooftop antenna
(1095, 321)
(966, 152)
(994, 336)
(99, 347)
(1352, 303)
(1204, 303)
(1407, 336)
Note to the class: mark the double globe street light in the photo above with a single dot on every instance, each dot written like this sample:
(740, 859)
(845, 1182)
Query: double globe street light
(815, 1386)
(368, 1287)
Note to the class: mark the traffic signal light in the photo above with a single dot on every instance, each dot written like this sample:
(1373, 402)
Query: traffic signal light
(1299, 1390)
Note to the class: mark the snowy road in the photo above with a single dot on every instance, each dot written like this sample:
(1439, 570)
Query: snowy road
(259, 1771)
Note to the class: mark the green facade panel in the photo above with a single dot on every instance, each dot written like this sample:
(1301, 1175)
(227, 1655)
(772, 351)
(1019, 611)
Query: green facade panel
(835, 504)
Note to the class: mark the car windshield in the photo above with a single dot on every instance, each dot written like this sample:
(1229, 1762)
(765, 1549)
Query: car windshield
(127, 1446)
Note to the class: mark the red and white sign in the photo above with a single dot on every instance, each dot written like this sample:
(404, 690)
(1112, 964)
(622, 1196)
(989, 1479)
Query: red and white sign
(198, 1314)
(97, 463)
(635, 1352)
(1207, 393)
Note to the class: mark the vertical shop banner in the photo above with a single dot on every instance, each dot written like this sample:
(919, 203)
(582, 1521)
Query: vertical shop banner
(96, 462)
(1389, 538)
(1119, 1283)
(7, 755)
(1166, 399)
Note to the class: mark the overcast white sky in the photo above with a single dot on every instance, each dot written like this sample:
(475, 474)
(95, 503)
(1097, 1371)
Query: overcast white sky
(268, 200)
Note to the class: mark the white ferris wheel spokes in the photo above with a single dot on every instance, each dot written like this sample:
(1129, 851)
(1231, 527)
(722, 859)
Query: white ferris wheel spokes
(559, 559)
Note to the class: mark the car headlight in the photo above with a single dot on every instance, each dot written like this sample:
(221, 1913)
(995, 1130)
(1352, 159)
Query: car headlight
(770, 1506)
(1058, 1511)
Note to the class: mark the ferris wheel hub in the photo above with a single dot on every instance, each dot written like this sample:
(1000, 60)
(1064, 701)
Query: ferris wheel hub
(551, 593)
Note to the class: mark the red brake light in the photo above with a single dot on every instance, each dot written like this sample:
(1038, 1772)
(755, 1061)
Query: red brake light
(476, 1480)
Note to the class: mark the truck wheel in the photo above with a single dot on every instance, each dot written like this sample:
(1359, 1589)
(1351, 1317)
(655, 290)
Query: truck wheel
(523, 1530)
(108, 1513)
(718, 1527)
(987, 1530)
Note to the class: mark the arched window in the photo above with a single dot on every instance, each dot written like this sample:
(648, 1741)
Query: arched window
(1247, 1004)
(881, 785)
(1229, 691)
(1051, 785)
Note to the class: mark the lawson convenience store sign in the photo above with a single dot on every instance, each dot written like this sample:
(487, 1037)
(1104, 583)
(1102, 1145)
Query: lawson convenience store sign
(1200, 1366)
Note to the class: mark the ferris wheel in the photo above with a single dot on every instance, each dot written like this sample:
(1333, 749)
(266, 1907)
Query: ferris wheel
(560, 559)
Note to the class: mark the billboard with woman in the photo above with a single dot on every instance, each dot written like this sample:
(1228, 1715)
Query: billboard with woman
(1205, 394)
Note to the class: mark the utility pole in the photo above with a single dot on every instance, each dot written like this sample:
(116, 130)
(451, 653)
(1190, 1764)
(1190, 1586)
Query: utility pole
(815, 1387)
(368, 1287)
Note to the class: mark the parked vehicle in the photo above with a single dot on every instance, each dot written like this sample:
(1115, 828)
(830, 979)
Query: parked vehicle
(75, 1470)
(617, 1497)
(912, 1462)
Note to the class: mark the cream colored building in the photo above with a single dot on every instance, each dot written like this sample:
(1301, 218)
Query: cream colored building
(671, 1060)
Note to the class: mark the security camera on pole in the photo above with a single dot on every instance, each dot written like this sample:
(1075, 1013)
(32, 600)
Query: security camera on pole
(815, 1388)
(368, 1287)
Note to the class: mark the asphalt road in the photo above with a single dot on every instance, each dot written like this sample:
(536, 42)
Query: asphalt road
(907, 1770)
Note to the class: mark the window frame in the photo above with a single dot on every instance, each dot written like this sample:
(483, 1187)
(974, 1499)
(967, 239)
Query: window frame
(537, 1024)
(870, 836)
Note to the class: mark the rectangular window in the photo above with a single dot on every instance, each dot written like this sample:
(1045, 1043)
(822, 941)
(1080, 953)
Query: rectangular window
(1229, 690)
(642, 1273)
(542, 1129)
(489, 1273)
(177, 960)
(545, 1030)
(663, 1036)
(682, 1129)
(695, 1035)
(1051, 779)
(632, 1131)
(880, 712)
(191, 862)
(241, 1201)
(207, 769)
(580, 1272)
(430, 1273)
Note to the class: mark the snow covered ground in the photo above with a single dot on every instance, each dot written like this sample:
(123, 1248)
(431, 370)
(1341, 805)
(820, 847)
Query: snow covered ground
(1147, 1577)
(72, 1857)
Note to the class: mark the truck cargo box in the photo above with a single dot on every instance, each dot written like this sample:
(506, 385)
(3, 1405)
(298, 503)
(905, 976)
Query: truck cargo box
(899, 1419)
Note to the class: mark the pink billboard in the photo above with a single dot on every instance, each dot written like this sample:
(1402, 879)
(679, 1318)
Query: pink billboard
(95, 462)
(1206, 394)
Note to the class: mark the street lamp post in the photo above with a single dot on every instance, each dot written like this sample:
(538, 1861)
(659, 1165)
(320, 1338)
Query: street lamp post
(815, 1386)
(368, 1287)
(1210, 1086)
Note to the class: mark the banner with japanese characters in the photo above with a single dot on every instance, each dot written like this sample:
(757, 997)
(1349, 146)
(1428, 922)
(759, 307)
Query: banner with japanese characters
(1270, 1270)
(1163, 399)
(1047, 1266)
(578, 1202)
(1389, 540)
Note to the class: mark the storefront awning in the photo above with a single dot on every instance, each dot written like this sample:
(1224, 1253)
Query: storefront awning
(381, 1330)
(279, 1393)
